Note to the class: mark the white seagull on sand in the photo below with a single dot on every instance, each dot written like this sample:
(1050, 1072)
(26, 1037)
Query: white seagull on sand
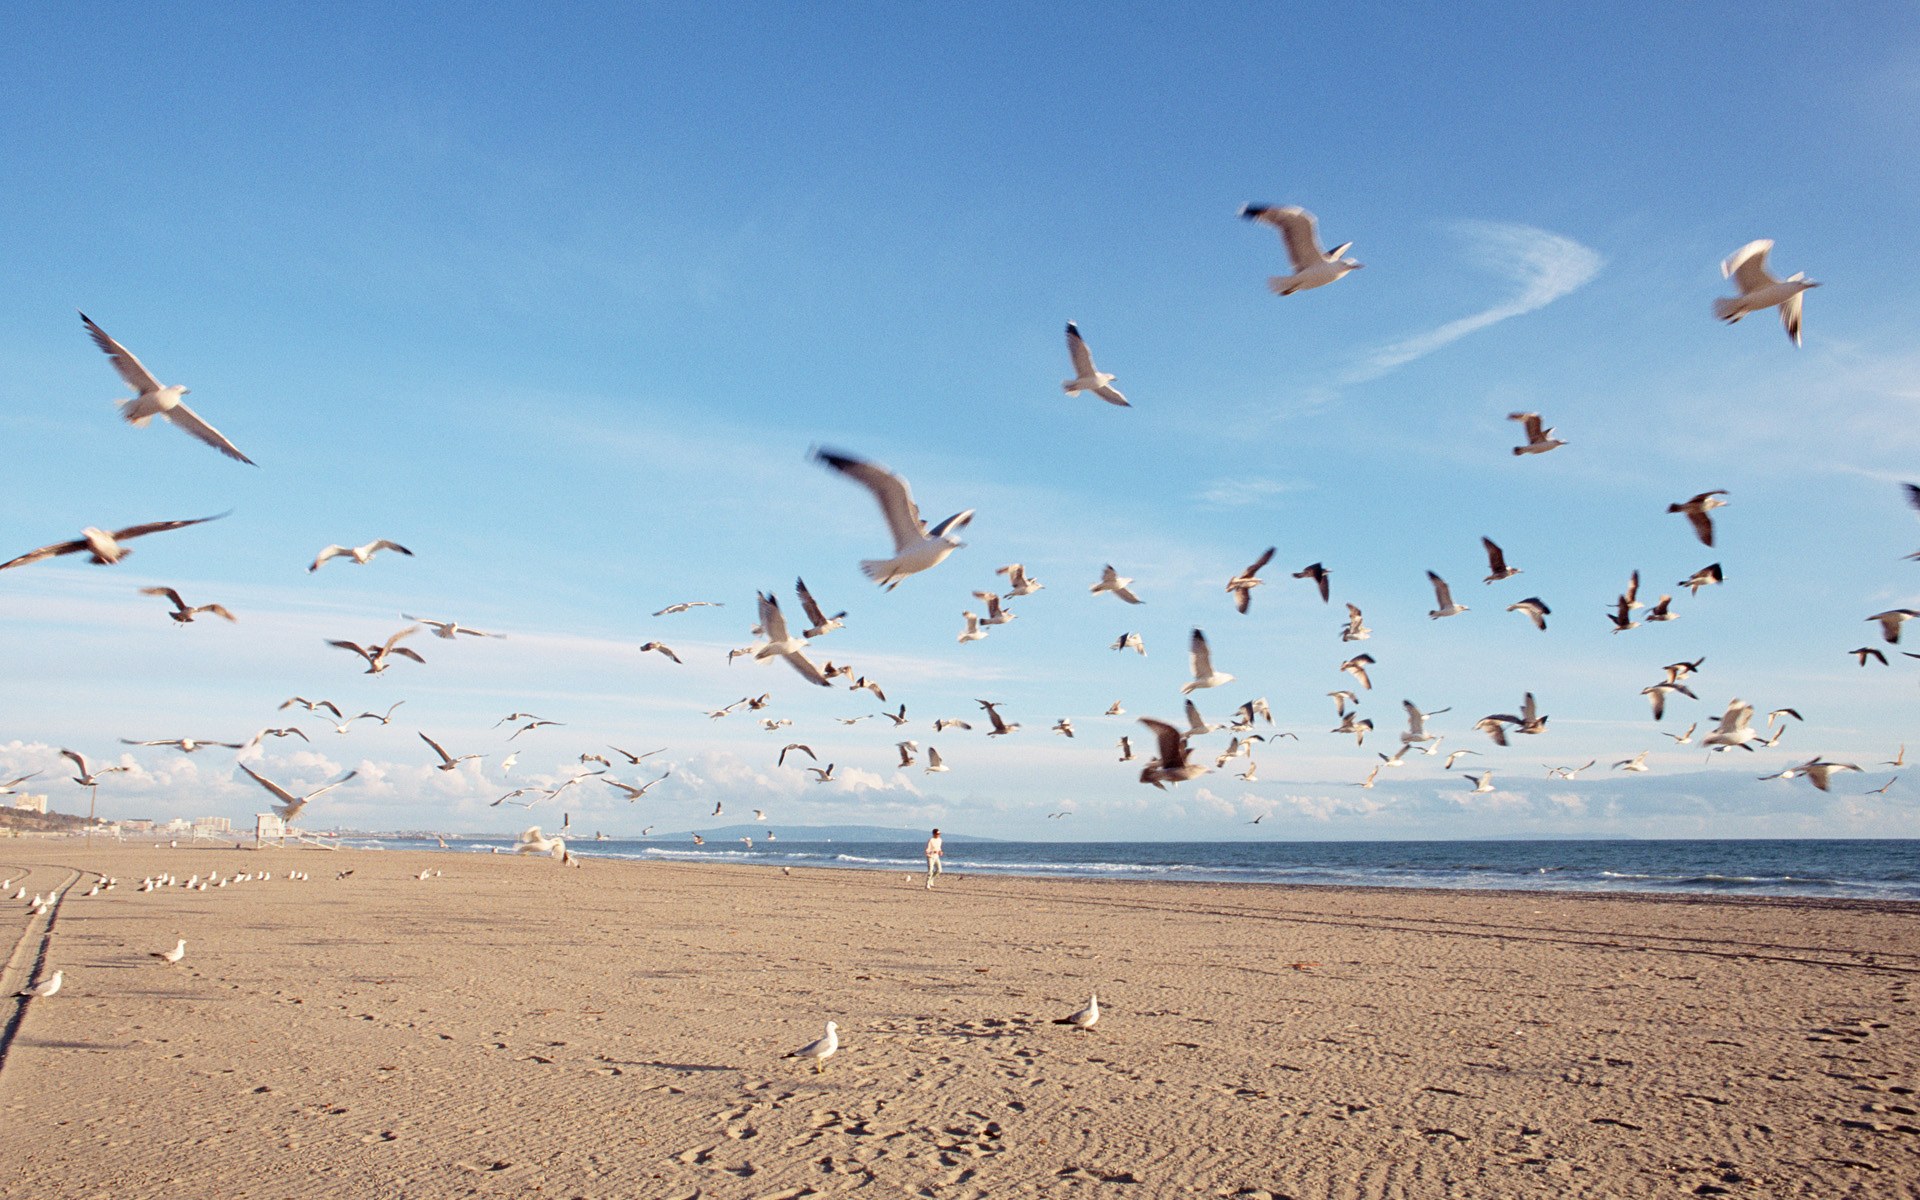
(819, 1051)
(1086, 1018)
(1312, 266)
(46, 987)
(1087, 377)
(155, 399)
(915, 547)
(1747, 267)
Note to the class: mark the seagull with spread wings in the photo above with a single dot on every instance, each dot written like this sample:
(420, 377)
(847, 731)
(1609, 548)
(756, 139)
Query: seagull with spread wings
(822, 623)
(86, 778)
(781, 644)
(450, 630)
(290, 804)
(916, 548)
(1018, 583)
(1174, 763)
(1759, 289)
(1497, 568)
(1535, 610)
(447, 761)
(378, 654)
(1087, 377)
(183, 613)
(1443, 597)
(1312, 266)
(359, 554)
(634, 793)
(154, 399)
(102, 547)
(1112, 581)
(1319, 574)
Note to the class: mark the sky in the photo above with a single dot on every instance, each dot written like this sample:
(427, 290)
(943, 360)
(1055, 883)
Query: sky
(562, 300)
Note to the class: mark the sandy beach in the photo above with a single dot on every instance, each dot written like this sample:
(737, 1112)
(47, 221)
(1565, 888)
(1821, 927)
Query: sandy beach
(513, 1027)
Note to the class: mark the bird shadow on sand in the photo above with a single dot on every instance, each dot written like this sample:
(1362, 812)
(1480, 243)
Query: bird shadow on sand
(667, 1066)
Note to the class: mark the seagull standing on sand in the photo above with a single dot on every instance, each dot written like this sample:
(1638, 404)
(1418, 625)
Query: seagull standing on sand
(1747, 267)
(1312, 266)
(1086, 377)
(1085, 1018)
(154, 399)
(359, 554)
(46, 987)
(819, 1051)
(174, 955)
(915, 547)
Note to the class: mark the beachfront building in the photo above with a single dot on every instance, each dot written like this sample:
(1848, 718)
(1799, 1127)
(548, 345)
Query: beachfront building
(37, 804)
(137, 825)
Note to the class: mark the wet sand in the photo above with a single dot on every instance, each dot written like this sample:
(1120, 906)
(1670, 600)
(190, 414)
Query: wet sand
(514, 1027)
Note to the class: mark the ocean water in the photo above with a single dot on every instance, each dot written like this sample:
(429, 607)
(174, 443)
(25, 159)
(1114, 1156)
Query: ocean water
(1844, 869)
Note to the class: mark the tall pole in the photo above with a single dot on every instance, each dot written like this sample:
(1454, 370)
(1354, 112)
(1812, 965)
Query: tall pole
(93, 797)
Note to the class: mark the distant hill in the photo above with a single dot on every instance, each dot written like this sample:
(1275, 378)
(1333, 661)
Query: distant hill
(28, 821)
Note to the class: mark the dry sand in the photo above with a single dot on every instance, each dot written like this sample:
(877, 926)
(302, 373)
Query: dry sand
(514, 1027)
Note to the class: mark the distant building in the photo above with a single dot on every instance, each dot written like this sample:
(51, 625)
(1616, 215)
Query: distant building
(137, 825)
(209, 826)
(37, 804)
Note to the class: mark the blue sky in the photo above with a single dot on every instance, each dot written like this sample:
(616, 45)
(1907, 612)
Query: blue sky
(561, 301)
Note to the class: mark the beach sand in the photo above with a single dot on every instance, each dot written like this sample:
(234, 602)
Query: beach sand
(514, 1027)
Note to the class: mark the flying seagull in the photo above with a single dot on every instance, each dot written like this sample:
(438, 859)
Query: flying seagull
(154, 399)
(1318, 574)
(1539, 439)
(1443, 596)
(102, 547)
(449, 630)
(915, 547)
(1892, 620)
(1113, 581)
(792, 746)
(688, 605)
(1018, 584)
(1174, 763)
(1535, 608)
(377, 655)
(822, 623)
(1357, 667)
(1000, 727)
(781, 644)
(359, 554)
(86, 778)
(447, 761)
(1241, 586)
(1312, 266)
(311, 705)
(659, 648)
(1201, 659)
(1130, 641)
(634, 793)
(1086, 377)
(183, 613)
(934, 763)
(290, 804)
(1355, 629)
(1497, 568)
(1704, 577)
(1697, 510)
(1747, 267)
(184, 745)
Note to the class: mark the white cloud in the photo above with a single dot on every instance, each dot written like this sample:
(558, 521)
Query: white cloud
(1545, 265)
(1239, 493)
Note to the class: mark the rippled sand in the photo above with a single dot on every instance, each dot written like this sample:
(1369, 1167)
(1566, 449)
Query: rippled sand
(616, 1031)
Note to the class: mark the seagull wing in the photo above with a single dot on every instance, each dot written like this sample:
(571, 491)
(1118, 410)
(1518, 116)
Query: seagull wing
(804, 665)
(384, 544)
(138, 377)
(1200, 657)
(1258, 563)
(808, 603)
(444, 756)
(280, 793)
(1083, 367)
(1747, 266)
(1441, 592)
(45, 552)
(1299, 231)
(1173, 749)
(171, 595)
(329, 787)
(80, 764)
(134, 531)
(193, 423)
(1496, 561)
(896, 499)
(772, 620)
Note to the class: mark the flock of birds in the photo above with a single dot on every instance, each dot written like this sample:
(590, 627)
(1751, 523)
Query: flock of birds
(918, 547)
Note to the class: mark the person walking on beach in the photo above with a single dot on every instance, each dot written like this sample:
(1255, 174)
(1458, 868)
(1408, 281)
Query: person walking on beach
(933, 858)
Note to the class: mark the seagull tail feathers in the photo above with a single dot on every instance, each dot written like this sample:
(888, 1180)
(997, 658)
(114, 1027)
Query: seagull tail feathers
(1728, 309)
(880, 570)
